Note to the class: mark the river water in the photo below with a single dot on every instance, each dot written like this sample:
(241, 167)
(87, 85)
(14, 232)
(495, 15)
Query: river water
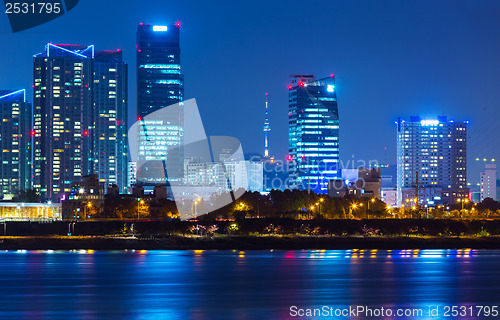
(200, 285)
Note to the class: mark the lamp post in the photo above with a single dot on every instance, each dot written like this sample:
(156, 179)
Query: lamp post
(195, 205)
(371, 200)
(354, 206)
(319, 205)
(89, 204)
(368, 208)
(138, 208)
(463, 201)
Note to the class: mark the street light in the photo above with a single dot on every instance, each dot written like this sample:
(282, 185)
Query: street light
(372, 200)
(312, 208)
(89, 204)
(353, 206)
(319, 205)
(195, 204)
(138, 207)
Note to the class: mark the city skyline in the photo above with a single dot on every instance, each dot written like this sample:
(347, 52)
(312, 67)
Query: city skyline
(140, 177)
(421, 83)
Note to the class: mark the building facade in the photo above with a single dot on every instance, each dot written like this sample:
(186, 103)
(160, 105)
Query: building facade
(432, 161)
(160, 84)
(62, 107)
(313, 133)
(21, 211)
(361, 182)
(86, 199)
(15, 143)
(390, 196)
(80, 118)
(489, 182)
(110, 161)
(229, 176)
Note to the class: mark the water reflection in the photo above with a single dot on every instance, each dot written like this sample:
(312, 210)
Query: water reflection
(140, 284)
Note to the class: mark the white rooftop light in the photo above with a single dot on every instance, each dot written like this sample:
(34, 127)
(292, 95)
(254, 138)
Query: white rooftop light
(429, 122)
(160, 28)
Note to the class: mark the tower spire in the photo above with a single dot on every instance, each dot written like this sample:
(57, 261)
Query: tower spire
(267, 128)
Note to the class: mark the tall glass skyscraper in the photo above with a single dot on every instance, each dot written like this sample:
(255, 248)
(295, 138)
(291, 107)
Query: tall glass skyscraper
(313, 133)
(110, 118)
(160, 83)
(432, 161)
(15, 143)
(80, 118)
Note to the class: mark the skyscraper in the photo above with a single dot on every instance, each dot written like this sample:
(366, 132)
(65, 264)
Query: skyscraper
(80, 118)
(62, 106)
(15, 143)
(489, 182)
(110, 118)
(432, 161)
(313, 133)
(160, 83)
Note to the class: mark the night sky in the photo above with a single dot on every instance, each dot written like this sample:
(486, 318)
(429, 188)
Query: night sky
(390, 59)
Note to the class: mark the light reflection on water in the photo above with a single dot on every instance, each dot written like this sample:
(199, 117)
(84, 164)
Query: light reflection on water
(88, 284)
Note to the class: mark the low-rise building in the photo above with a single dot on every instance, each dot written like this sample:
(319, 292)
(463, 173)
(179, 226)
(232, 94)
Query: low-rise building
(390, 196)
(86, 199)
(20, 211)
(366, 183)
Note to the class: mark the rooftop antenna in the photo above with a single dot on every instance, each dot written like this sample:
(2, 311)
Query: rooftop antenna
(267, 128)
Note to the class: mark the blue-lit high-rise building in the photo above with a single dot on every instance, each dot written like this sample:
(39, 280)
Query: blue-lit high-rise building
(80, 118)
(62, 109)
(432, 161)
(15, 143)
(110, 118)
(313, 133)
(160, 84)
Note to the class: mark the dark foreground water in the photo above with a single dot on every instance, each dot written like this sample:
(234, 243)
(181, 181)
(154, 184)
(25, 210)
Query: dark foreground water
(248, 285)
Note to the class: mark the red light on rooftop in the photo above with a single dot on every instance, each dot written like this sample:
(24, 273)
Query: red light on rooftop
(289, 158)
(290, 87)
(139, 118)
(301, 84)
(331, 75)
(140, 23)
(178, 24)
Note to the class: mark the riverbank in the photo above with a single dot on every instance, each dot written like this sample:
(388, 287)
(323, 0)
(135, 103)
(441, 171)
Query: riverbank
(247, 243)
